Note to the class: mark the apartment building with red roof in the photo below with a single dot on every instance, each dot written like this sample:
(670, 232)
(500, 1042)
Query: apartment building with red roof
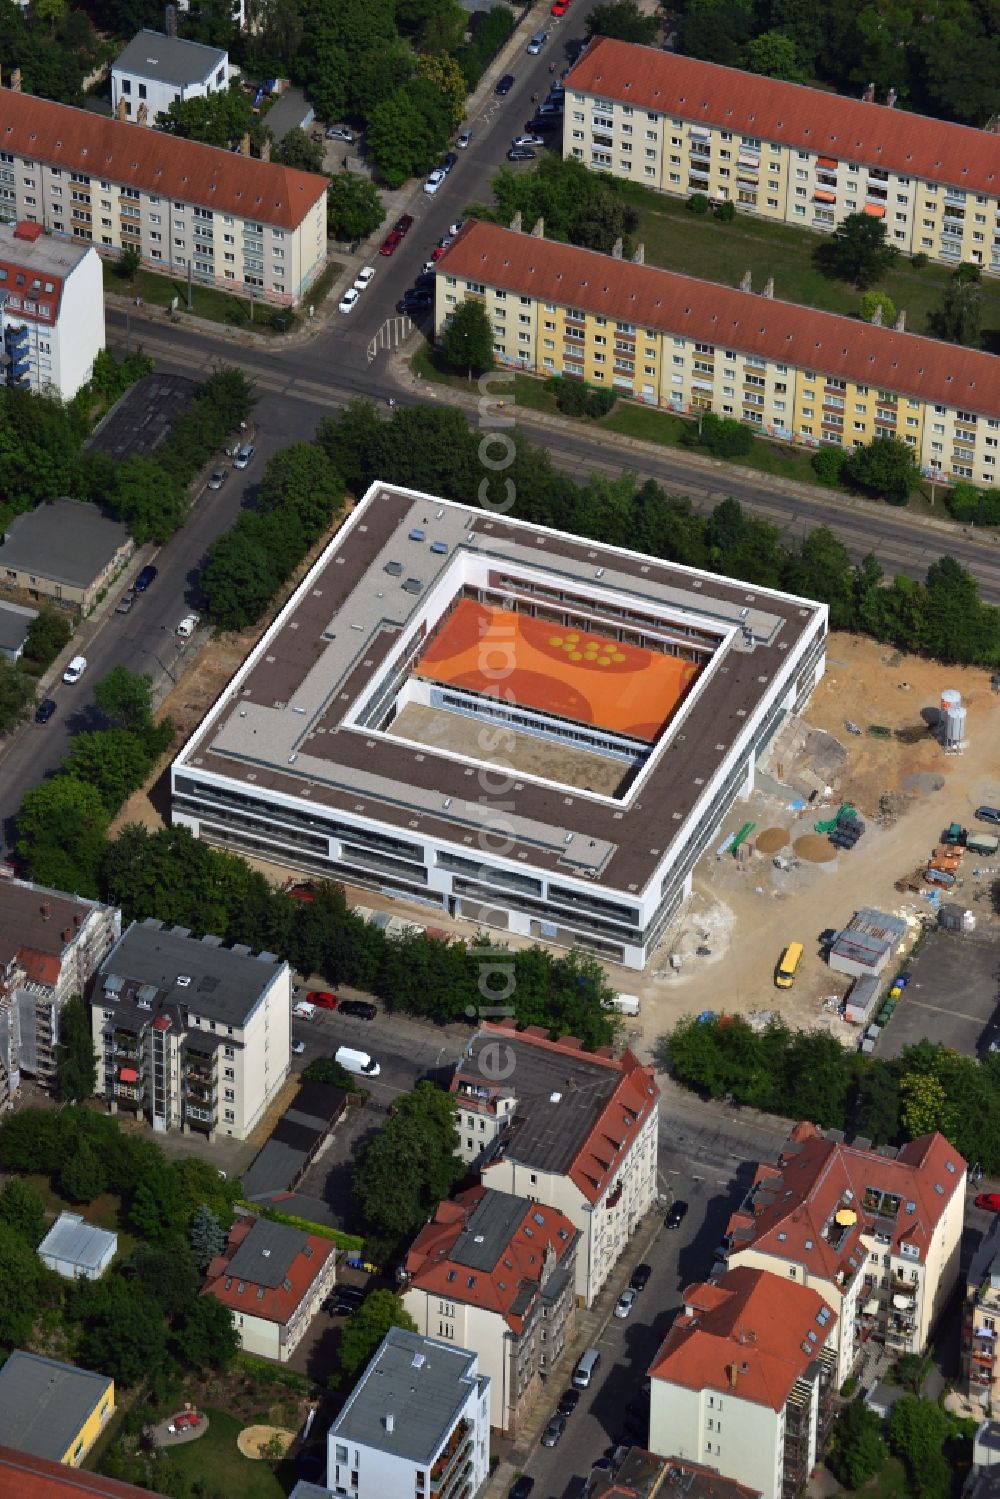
(877, 1233)
(252, 227)
(744, 1380)
(51, 310)
(783, 151)
(25, 1477)
(564, 1128)
(643, 1475)
(692, 346)
(497, 1274)
(273, 1279)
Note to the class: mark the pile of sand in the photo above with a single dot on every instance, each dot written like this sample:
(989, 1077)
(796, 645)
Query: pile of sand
(771, 839)
(815, 848)
(253, 1440)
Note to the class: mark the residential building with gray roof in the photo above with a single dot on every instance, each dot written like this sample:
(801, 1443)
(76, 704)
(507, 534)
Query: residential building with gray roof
(51, 1409)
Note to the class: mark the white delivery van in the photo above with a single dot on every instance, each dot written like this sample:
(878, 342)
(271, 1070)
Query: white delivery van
(358, 1062)
(626, 1004)
(304, 1010)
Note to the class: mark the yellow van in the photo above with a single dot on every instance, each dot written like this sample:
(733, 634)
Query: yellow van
(784, 976)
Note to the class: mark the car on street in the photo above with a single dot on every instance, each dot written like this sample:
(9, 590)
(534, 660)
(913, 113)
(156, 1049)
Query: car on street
(541, 124)
(434, 181)
(521, 1487)
(446, 241)
(455, 227)
(554, 1430)
(424, 280)
(625, 1303)
(219, 477)
(415, 301)
(436, 253)
(463, 140)
(989, 1202)
(144, 578)
(521, 153)
(359, 1008)
(403, 224)
(75, 669)
(988, 814)
(640, 1277)
(323, 999)
(391, 243)
(448, 161)
(568, 1401)
(675, 1215)
(537, 43)
(505, 85)
(559, 8)
(364, 276)
(45, 710)
(639, 1407)
(298, 1047)
(340, 133)
(549, 108)
(527, 140)
(244, 457)
(187, 626)
(125, 603)
(349, 300)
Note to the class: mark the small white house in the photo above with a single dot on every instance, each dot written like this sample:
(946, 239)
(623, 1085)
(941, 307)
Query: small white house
(77, 1249)
(156, 71)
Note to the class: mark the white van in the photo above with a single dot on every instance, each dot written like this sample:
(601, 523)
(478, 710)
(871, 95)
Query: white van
(586, 1368)
(304, 1010)
(626, 1004)
(358, 1062)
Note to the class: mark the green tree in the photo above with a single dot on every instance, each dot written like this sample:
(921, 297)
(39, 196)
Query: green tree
(885, 467)
(219, 119)
(157, 1206)
(353, 207)
(363, 1333)
(822, 570)
(857, 1451)
(123, 1335)
(624, 22)
(954, 618)
(404, 1171)
(114, 761)
(128, 264)
(208, 1237)
(125, 697)
(21, 1277)
(299, 150)
(467, 342)
(17, 694)
(151, 501)
(408, 130)
(61, 826)
(76, 1060)
(444, 72)
(22, 1209)
(81, 1175)
(959, 318)
(876, 1104)
(716, 30)
(918, 1430)
(776, 56)
(300, 481)
(877, 303)
(206, 1337)
(857, 251)
(166, 1274)
(326, 1070)
(47, 634)
(923, 1103)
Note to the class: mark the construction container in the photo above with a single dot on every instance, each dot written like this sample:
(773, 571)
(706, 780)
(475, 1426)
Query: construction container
(939, 877)
(956, 918)
(862, 999)
(982, 843)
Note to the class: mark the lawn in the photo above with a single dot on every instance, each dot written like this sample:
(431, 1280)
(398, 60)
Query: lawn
(889, 1484)
(699, 245)
(216, 1460)
(211, 302)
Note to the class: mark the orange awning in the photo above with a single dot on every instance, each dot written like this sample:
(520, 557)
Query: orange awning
(830, 162)
(127, 1075)
(822, 197)
(875, 210)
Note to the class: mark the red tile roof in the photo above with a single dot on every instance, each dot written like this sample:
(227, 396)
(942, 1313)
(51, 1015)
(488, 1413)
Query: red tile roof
(793, 1206)
(723, 316)
(748, 1336)
(140, 157)
(24, 1477)
(791, 114)
(277, 1304)
(519, 1262)
(40, 967)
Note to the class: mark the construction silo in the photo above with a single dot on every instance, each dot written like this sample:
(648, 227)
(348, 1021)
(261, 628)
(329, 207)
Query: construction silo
(954, 727)
(950, 698)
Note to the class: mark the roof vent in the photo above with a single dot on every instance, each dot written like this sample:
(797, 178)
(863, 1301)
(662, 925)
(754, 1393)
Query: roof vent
(555, 1098)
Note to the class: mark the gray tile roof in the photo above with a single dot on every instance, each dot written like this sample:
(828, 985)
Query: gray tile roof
(81, 1243)
(168, 59)
(64, 540)
(267, 1254)
(15, 622)
(421, 1384)
(225, 985)
(43, 1403)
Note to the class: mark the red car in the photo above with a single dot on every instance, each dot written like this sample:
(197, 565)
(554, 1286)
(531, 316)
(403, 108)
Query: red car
(560, 8)
(403, 224)
(391, 243)
(989, 1201)
(323, 999)
(437, 252)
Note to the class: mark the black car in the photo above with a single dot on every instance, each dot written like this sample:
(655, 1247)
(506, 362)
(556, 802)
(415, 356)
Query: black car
(505, 85)
(45, 710)
(553, 1432)
(568, 1401)
(640, 1277)
(415, 301)
(448, 161)
(521, 1487)
(988, 814)
(676, 1213)
(359, 1008)
(520, 153)
(639, 1408)
(145, 577)
(538, 124)
(424, 280)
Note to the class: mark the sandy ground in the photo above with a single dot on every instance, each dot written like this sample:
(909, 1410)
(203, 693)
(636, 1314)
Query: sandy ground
(252, 1439)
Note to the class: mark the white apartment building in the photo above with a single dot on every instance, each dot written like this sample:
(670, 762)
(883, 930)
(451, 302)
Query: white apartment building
(416, 1423)
(274, 1279)
(877, 1233)
(496, 1274)
(154, 71)
(569, 1129)
(190, 1034)
(744, 1379)
(247, 226)
(50, 946)
(51, 310)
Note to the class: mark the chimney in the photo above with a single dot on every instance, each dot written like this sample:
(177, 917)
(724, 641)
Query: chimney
(746, 284)
(868, 97)
(120, 110)
(900, 323)
(515, 222)
(876, 318)
(768, 287)
(265, 149)
(46, 910)
(891, 98)
(245, 145)
(617, 248)
(639, 258)
(170, 20)
(142, 115)
(66, 935)
(77, 920)
(732, 1373)
(15, 81)
(538, 229)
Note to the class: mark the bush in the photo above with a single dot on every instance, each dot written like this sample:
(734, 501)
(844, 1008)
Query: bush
(828, 465)
(724, 437)
(698, 203)
(919, 260)
(972, 506)
(726, 212)
(488, 37)
(575, 398)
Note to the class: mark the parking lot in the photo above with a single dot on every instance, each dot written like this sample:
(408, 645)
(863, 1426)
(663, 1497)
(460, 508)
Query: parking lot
(950, 998)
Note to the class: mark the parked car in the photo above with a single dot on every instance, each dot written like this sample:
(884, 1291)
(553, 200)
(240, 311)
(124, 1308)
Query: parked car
(219, 477)
(298, 1047)
(625, 1303)
(403, 224)
(568, 1401)
(125, 603)
(554, 1430)
(424, 280)
(537, 42)
(989, 1202)
(521, 1487)
(463, 140)
(144, 578)
(359, 1008)
(244, 457)
(676, 1213)
(520, 153)
(455, 227)
(340, 133)
(505, 85)
(415, 301)
(364, 277)
(527, 140)
(541, 124)
(45, 710)
(448, 161)
(391, 243)
(988, 814)
(349, 300)
(187, 626)
(559, 8)
(436, 254)
(446, 241)
(75, 669)
(434, 181)
(640, 1277)
(323, 999)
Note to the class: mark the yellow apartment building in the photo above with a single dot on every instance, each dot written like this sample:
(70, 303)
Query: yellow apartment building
(687, 346)
(783, 151)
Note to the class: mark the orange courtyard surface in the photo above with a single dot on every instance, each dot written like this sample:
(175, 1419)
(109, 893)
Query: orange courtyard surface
(574, 674)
